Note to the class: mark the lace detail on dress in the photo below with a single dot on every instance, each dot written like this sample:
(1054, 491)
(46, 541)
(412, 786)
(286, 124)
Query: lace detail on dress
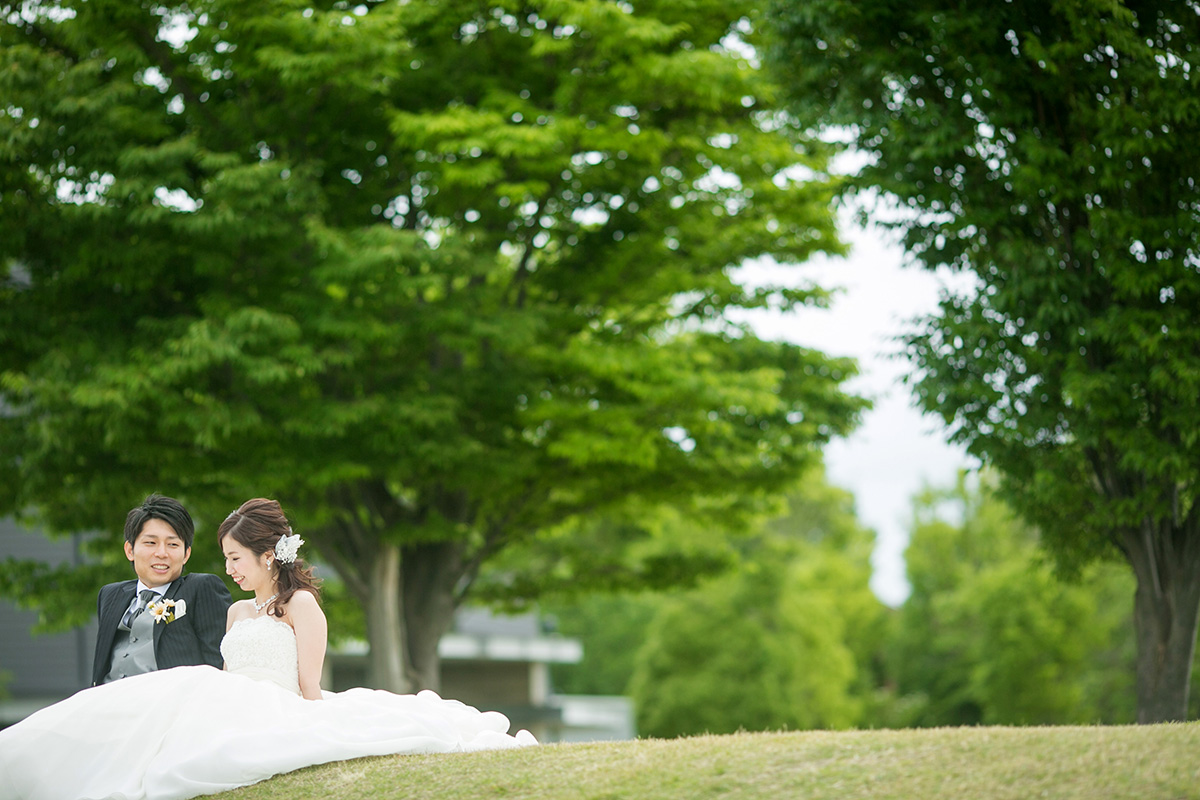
(263, 648)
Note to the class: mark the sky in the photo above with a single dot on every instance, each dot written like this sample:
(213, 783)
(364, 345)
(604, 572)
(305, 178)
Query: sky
(896, 450)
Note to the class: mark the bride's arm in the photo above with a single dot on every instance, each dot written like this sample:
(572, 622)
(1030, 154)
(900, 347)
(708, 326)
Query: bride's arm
(308, 620)
(230, 613)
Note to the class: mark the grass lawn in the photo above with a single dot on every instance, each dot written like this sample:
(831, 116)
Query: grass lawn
(1151, 762)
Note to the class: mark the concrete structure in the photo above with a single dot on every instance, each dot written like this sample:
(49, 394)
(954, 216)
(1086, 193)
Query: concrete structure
(594, 718)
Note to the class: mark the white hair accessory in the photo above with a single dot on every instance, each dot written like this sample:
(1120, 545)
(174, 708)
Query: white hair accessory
(287, 547)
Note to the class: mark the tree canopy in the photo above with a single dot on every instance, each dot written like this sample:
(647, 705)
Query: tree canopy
(990, 635)
(792, 639)
(439, 276)
(1046, 147)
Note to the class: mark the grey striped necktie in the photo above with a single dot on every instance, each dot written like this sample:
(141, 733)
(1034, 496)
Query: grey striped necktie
(144, 598)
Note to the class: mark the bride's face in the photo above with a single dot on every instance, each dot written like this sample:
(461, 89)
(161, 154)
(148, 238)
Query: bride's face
(248, 571)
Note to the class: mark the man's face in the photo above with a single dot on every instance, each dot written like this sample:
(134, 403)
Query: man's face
(158, 554)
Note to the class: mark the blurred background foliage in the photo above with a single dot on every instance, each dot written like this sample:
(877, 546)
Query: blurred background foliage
(793, 638)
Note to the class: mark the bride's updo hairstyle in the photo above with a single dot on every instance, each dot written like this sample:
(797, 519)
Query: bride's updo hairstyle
(258, 525)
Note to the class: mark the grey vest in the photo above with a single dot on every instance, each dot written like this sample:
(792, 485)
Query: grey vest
(133, 650)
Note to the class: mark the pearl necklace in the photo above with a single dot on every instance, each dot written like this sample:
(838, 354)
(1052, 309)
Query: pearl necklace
(258, 607)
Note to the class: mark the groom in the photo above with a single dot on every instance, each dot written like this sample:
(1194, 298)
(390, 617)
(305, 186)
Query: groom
(164, 618)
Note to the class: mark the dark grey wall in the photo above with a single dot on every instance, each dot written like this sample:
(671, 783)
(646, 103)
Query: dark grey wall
(45, 665)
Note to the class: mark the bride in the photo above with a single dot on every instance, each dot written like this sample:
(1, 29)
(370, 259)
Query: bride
(189, 731)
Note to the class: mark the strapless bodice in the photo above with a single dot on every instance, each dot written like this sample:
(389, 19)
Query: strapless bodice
(263, 648)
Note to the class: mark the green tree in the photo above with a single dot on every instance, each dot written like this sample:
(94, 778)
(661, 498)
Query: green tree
(604, 578)
(611, 628)
(792, 639)
(989, 635)
(1047, 147)
(440, 276)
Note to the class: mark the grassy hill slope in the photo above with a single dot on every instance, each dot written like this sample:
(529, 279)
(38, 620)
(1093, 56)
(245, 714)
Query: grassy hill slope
(1154, 761)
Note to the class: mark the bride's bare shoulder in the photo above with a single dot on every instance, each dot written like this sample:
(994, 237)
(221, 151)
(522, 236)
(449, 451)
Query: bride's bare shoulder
(302, 609)
(241, 609)
(303, 601)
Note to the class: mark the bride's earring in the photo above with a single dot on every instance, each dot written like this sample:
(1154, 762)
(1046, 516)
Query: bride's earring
(269, 563)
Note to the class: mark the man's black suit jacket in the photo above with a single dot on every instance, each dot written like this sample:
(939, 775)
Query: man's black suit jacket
(194, 638)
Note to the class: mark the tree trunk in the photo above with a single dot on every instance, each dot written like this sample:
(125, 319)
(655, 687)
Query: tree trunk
(1166, 611)
(385, 623)
(431, 574)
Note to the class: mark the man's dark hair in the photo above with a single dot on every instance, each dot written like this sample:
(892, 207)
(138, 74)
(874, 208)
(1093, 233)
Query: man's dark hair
(169, 510)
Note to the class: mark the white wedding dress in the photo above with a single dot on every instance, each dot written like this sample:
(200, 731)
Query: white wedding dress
(190, 731)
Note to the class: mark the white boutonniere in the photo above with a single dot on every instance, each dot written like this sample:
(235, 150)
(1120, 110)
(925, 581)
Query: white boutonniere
(167, 610)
